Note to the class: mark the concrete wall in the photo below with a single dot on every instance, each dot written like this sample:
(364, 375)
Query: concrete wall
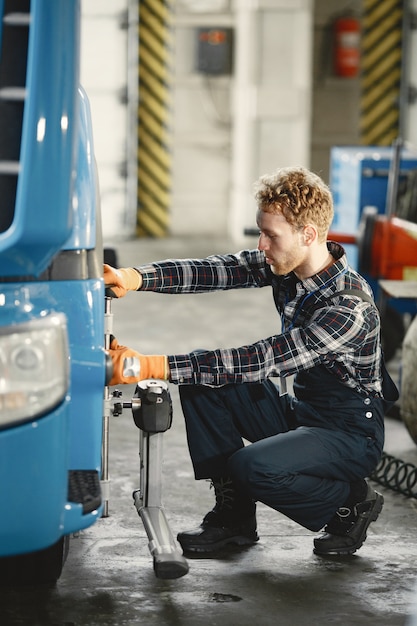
(104, 76)
(335, 110)
(230, 129)
(226, 130)
(281, 105)
(202, 127)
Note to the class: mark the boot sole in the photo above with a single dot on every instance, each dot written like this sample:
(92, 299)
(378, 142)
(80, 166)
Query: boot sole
(238, 540)
(348, 550)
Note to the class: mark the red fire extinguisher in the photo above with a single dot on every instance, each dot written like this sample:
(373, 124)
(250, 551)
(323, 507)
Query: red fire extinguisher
(347, 31)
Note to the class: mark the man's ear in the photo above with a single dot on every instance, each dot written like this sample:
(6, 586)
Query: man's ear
(309, 234)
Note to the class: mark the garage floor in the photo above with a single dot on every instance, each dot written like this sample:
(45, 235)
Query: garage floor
(108, 579)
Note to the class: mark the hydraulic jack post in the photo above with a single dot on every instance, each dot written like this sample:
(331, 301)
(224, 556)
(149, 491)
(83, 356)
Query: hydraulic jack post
(151, 407)
(152, 413)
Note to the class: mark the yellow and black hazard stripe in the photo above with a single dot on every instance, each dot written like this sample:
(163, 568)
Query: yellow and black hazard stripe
(154, 153)
(381, 71)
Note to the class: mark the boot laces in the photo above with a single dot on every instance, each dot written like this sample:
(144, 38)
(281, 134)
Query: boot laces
(224, 492)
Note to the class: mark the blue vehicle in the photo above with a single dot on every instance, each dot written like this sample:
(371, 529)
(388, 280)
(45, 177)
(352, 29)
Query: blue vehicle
(52, 357)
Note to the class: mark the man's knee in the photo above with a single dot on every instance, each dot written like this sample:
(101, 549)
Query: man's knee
(251, 473)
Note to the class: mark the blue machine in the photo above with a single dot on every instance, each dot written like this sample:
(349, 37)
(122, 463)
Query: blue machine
(52, 358)
(359, 179)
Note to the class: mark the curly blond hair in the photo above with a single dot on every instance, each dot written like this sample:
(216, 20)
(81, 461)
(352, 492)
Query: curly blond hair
(300, 195)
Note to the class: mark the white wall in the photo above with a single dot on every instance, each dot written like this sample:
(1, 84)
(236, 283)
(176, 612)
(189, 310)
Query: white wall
(271, 97)
(230, 129)
(274, 109)
(104, 77)
(202, 123)
(220, 145)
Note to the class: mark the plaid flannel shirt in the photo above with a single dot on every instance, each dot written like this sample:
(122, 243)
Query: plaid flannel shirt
(343, 335)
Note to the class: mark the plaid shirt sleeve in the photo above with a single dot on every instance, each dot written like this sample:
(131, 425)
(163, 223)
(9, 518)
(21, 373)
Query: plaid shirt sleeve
(343, 338)
(244, 269)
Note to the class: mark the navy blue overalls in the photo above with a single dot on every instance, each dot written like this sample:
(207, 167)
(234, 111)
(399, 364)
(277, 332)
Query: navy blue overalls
(304, 451)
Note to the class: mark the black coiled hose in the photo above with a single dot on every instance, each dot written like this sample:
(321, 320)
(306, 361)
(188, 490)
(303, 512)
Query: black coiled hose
(397, 475)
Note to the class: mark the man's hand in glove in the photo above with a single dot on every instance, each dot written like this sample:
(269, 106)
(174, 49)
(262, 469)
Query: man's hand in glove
(131, 367)
(122, 280)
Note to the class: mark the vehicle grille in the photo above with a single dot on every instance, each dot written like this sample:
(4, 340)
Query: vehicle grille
(14, 39)
(84, 488)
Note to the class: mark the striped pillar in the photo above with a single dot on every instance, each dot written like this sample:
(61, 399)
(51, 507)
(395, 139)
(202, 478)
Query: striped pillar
(381, 71)
(154, 158)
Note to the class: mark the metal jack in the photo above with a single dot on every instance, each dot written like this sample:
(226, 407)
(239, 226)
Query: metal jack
(152, 413)
(151, 407)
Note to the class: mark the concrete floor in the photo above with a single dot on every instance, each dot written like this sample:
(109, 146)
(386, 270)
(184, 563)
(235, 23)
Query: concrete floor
(108, 579)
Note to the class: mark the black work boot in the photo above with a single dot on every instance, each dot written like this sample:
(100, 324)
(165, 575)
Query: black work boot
(231, 521)
(346, 532)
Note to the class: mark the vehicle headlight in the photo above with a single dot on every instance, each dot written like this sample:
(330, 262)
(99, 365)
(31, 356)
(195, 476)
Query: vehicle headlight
(34, 368)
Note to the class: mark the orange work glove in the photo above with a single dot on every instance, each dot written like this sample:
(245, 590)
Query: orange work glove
(121, 280)
(131, 367)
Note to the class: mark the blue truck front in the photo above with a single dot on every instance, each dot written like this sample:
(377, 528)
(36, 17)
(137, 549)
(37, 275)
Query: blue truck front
(52, 359)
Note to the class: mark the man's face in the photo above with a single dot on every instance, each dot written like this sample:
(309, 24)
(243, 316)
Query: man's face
(283, 247)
